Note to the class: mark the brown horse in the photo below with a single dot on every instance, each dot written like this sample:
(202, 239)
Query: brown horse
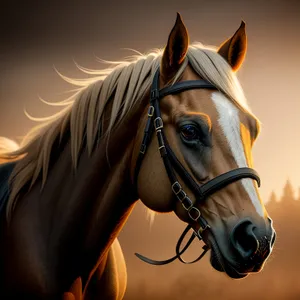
(73, 185)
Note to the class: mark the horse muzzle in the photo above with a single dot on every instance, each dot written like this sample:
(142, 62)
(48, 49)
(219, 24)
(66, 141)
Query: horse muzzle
(248, 249)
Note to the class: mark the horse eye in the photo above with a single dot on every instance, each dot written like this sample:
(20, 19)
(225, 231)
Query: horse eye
(189, 132)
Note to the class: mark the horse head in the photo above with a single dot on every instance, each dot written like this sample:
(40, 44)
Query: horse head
(203, 168)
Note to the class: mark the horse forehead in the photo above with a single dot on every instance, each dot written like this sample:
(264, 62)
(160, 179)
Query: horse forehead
(235, 124)
(217, 107)
(227, 109)
(211, 103)
(197, 100)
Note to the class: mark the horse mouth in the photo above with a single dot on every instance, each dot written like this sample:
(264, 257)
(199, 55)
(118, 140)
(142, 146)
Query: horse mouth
(219, 262)
(225, 267)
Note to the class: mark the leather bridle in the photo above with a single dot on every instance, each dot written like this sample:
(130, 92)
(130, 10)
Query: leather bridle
(172, 164)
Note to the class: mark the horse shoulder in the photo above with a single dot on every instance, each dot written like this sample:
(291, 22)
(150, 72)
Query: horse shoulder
(109, 281)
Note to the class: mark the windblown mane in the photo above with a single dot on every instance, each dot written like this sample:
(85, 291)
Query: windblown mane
(125, 84)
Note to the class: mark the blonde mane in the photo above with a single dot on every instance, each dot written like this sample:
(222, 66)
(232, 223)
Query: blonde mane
(125, 83)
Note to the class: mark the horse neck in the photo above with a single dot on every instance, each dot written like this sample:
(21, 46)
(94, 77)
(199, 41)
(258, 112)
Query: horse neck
(94, 204)
(117, 194)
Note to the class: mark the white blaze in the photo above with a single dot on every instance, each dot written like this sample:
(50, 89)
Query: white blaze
(230, 124)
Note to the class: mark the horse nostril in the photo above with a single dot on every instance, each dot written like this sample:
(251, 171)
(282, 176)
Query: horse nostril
(244, 240)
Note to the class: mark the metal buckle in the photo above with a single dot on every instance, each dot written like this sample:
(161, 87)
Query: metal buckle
(176, 187)
(151, 111)
(200, 230)
(197, 211)
(162, 150)
(154, 94)
(181, 195)
(158, 123)
(143, 149)
(187, 203)
(198, 234)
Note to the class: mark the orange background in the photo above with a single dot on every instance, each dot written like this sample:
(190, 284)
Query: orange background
(35, 37)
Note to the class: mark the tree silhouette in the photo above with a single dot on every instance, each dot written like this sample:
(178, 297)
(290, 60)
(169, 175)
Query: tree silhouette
(288, 192)
(273, 198)
(279, 279)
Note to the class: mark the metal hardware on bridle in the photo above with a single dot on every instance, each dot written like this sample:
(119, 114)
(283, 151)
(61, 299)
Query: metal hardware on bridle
(172, 164)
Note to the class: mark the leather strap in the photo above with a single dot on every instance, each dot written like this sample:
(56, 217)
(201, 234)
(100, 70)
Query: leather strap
(172, 163)
(178, 251)
(157, 94)
(184, 86)
(224, 179)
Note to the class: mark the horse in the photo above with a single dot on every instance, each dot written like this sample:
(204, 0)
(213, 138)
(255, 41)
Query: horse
(70, 186)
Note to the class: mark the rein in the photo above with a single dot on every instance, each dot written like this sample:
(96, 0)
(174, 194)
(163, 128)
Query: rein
(172, 164)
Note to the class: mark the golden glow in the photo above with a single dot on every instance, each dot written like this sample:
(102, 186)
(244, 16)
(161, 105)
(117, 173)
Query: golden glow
(203, 116)
(247, 143)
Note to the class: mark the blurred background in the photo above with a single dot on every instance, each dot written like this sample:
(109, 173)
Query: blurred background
(38, 35)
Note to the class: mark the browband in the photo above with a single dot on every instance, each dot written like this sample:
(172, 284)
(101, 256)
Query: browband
(172, 164)
(184, 86)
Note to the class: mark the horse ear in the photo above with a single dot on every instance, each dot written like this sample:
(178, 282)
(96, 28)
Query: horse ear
(234, 49)
(176, 49)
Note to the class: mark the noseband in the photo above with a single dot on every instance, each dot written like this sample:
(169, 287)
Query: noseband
(172, 165)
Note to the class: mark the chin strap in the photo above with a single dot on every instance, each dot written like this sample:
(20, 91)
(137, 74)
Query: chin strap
(178, 251)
